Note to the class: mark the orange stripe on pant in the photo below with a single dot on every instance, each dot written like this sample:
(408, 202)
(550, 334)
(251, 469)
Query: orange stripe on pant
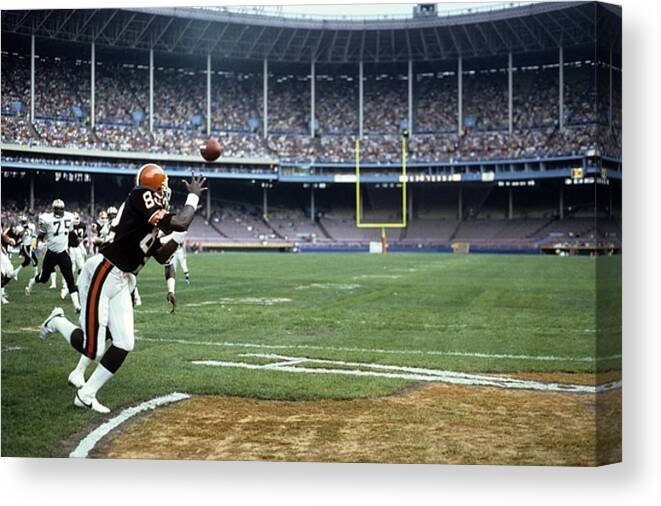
(92, 309)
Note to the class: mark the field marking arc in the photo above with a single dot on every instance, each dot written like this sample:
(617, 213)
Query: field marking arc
(551, 358)
(87, 444)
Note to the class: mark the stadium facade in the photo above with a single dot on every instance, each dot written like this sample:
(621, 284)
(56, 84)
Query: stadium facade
(512, 120)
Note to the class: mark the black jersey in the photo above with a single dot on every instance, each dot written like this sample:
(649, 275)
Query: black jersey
(100, 231)
(73, 239)
(134, 231)
(12, 233)
(77, 235)
(81, 232)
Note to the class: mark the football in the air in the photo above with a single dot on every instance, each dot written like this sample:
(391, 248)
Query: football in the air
(211, 150)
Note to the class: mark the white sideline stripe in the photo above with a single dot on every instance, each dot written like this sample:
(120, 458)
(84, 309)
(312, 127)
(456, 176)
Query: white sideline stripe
(551, 358)
(422, 375)
(88, 443)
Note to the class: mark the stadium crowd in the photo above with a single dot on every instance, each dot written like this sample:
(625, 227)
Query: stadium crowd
(62, 112)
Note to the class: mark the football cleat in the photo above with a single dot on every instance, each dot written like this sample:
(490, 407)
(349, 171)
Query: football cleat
(63, 293)
(76, 379)
(28, 288)
(45, 330)
(89, 403)
(5, 300)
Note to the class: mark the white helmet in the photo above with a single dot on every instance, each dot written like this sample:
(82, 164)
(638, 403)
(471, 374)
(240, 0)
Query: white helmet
(58, 207)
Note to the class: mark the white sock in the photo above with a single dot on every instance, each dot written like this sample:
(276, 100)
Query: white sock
(76, 301)
(83, 363)
(99, 377)
(17, 270)
(53, 280)
(31, 283)
(63, 326)
(36, 272)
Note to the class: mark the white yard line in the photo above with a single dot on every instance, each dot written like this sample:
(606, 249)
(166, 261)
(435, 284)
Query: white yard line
(88, 443)
(330, 286)
(416, 374)
(543, 358)
(252, 301)
(11, 348)
(378, 276)
(287, 362)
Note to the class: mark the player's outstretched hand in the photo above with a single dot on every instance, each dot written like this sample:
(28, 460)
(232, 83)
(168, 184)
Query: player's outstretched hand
(172, 301)
(196, 185)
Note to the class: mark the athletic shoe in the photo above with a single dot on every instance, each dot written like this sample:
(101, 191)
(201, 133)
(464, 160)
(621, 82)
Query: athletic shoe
(90, 403)
(187, 280)
(76, 379)
(63, 293)
(4, 300)
(45, 330)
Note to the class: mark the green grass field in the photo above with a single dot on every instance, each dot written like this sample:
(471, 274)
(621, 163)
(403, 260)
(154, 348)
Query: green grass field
(473, 313)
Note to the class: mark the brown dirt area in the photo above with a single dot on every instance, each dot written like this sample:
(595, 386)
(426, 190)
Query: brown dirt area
(436, 423)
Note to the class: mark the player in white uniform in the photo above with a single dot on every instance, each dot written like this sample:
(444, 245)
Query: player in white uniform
(77, 250)
(27, 233)
(6, 267)
(109, 277)
(179, 257)
(54, 228)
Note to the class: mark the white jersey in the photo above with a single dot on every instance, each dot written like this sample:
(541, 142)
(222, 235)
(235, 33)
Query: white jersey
(180, 253)
(28, 235)
(57, 230)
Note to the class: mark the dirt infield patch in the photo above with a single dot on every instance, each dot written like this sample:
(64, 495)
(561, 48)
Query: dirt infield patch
(435, 423)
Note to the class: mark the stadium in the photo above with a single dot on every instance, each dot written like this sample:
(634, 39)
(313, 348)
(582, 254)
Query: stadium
(480, 149)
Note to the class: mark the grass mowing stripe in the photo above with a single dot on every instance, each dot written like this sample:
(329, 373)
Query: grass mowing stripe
(377, 350)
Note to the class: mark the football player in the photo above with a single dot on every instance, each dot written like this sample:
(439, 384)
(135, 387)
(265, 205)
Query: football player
(54, 228)
(6, 267)
(171, 269)
(100, 229)
(27, 236)
(179, 257)
(112, 213)
(77, 237)
(109, 278)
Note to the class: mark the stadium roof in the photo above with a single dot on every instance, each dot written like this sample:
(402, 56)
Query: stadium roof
(243, 35)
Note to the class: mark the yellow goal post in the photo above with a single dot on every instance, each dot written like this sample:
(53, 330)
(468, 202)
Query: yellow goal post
(402, 180)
